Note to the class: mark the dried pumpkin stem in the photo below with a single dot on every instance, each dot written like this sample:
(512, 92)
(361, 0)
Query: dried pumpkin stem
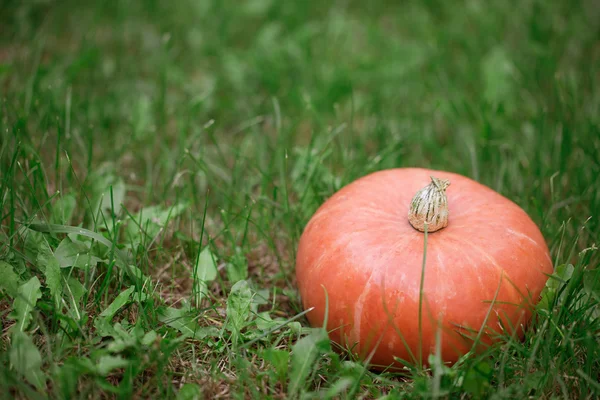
(430, 206)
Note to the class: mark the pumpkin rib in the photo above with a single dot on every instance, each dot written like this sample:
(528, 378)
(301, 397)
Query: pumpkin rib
(385, 218)
(336, 246)
(401, 246)
(504, 270)
(485, 206)
(389, 255)
(475, 267)
(376, 212)
(514, 291)
(358, 307)
(323, 212)
(370, 282)
(529, 239)
(443, 267)
(473, 246)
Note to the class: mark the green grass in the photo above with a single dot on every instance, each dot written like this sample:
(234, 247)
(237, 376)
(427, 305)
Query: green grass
(158, 165)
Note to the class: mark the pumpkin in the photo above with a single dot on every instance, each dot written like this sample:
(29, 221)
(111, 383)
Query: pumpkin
(405, 259)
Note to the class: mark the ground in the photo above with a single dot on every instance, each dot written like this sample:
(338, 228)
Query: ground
(159, 162)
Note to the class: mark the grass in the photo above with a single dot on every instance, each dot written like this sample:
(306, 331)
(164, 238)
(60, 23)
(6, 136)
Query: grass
(159, 162)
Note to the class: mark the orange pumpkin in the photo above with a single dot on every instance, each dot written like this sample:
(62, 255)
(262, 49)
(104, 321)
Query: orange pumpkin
(360, 254)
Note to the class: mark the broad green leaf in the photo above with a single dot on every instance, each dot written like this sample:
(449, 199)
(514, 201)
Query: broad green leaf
(74, 230)
(239, 304)
(26, 359)
(189, 391)
(19, 265)
(84, 365)
(108, 363)
(122, 259)
(63, 209)
(297, 327)
(75, 289)
(149, 221)
(119, 345)
(561, 276)
(137, 331)
(71, 254)
(119, 301)
(279, 360)
(293, 326)
(181, 320)
(352, 368)
(101, 181)
(237, 267)
(67, 377)
(149, 338)
(205, 271)
(138, 275)
(591, 283)
(103, 327)
(118, 197)
(121, 331)
(304, 356)
(264, 322)
(9, 280)
(28, 295)
(340, 386)
(37, 247)
(477, 379)
(81, 241)
(260, 298)
(54, 280)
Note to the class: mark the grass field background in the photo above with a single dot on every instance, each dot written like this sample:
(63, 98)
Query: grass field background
(159, 161)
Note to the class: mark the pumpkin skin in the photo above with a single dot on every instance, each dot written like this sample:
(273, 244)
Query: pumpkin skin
(360, 251)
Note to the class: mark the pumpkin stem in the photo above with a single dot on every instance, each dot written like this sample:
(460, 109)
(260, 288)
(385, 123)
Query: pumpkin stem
(429, 206)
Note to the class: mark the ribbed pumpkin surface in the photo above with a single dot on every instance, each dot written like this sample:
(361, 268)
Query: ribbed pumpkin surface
(360, 248)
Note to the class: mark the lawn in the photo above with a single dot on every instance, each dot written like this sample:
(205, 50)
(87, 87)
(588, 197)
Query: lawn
(158, 164)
